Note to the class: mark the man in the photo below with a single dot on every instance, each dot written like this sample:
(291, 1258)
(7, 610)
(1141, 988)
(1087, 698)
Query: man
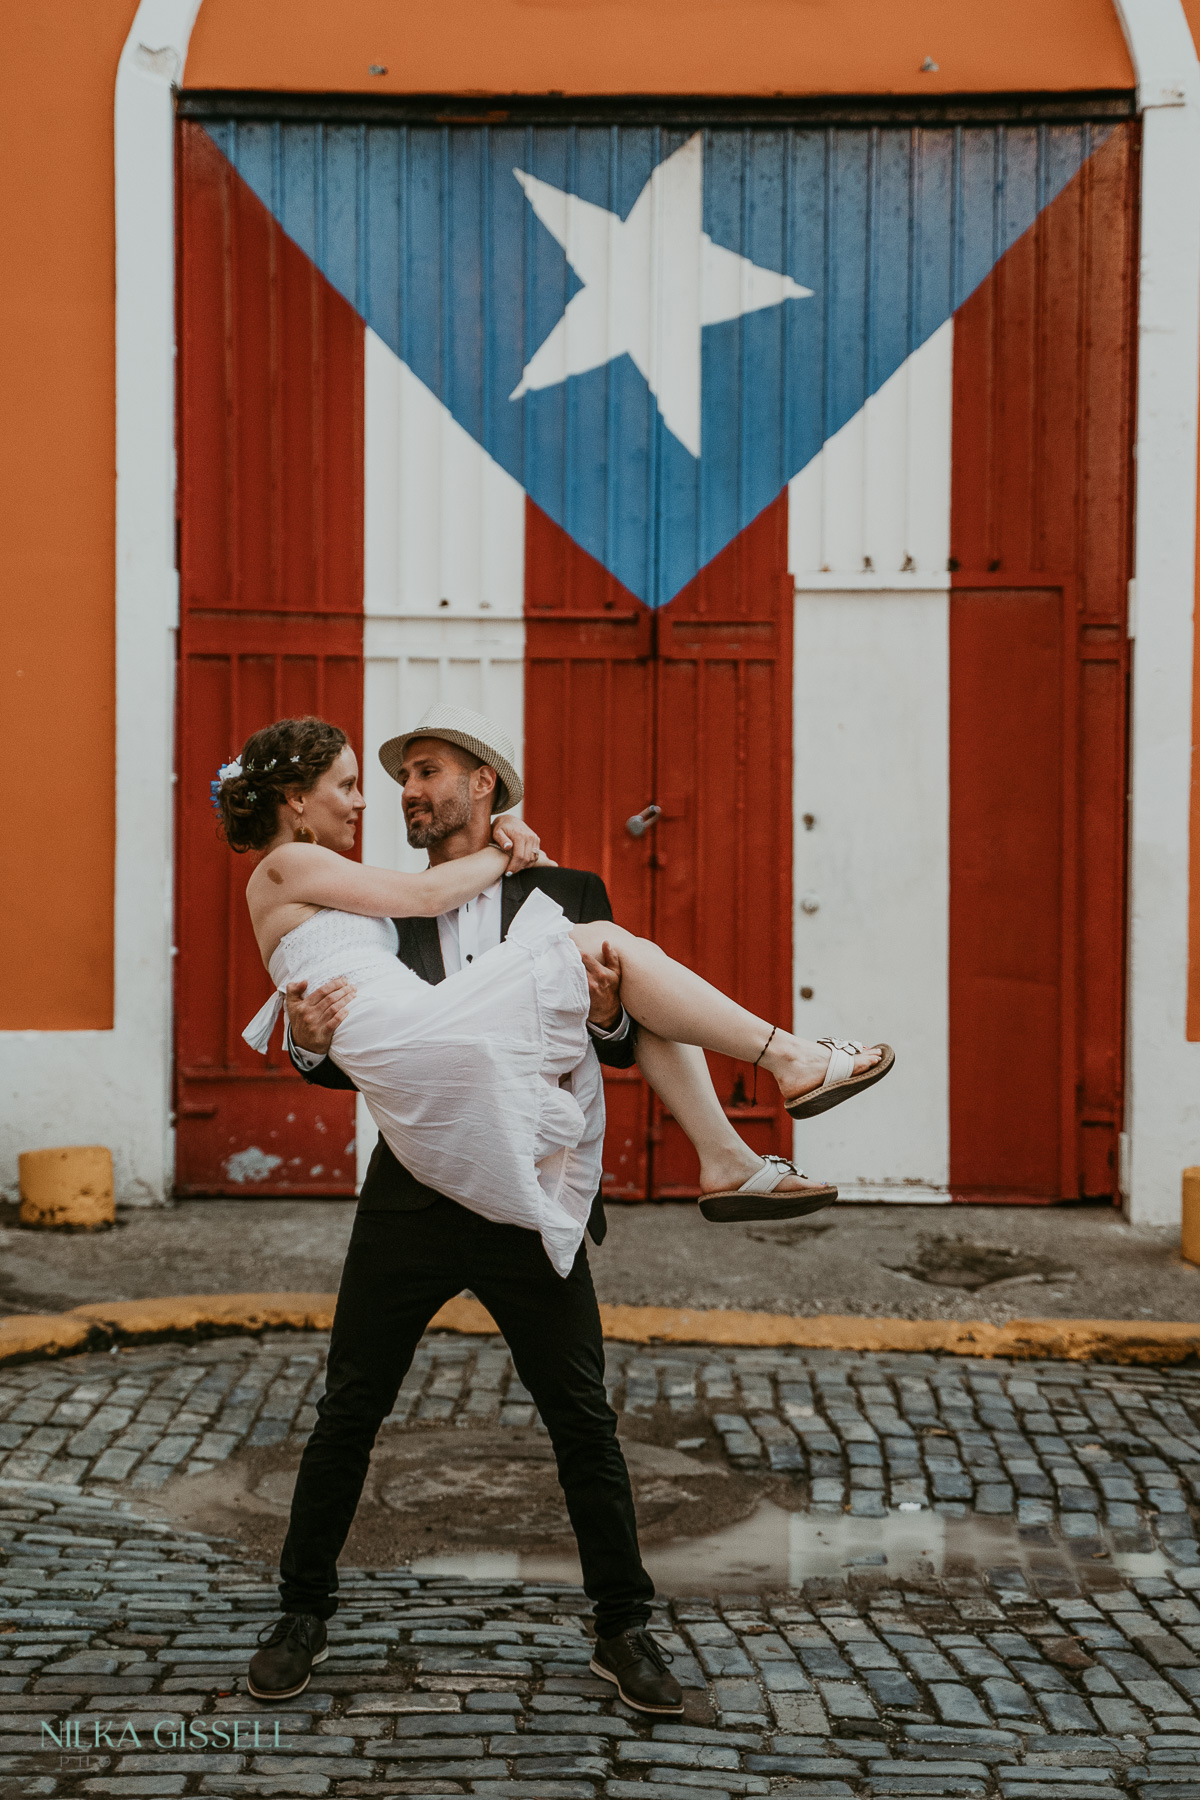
(412, 1249)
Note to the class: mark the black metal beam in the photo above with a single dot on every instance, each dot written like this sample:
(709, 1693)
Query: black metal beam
(684, 111)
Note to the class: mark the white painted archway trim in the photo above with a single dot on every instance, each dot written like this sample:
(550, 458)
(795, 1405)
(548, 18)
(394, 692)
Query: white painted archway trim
(1163, 1107)
(147, 585)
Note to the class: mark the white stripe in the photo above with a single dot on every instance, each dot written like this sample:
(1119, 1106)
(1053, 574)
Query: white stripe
(872, 508)
(1163, 1106)
(444, 563)
(871, 744)
(444, 522)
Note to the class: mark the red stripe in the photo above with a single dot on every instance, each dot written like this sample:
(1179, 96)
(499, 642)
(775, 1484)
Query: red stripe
(689, 707)
(1041, 538)
(271, 548)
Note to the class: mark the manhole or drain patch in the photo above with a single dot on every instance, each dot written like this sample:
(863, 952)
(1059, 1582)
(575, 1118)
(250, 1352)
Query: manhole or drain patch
(957, 1262)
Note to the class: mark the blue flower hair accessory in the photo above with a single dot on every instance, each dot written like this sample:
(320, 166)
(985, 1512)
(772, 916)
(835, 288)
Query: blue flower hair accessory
(229, 771)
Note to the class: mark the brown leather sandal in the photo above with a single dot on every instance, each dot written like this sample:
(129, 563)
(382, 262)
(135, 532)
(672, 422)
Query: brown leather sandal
(840, 1083)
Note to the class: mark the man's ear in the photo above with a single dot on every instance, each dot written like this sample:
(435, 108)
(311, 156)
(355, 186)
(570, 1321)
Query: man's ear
(485, 779)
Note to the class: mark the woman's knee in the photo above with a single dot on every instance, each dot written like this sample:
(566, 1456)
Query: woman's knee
(592, 937)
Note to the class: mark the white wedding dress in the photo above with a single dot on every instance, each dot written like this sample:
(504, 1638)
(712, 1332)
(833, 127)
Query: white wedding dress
(482, 1086)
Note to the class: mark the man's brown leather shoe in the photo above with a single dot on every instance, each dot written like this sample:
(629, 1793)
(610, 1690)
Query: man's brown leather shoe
(290, 1648)
(637, 1664)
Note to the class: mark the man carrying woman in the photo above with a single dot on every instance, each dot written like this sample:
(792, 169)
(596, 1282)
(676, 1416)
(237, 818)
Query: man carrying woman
(475, 1061)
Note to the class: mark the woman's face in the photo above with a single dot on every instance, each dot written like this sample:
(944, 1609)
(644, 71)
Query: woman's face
(331, 807)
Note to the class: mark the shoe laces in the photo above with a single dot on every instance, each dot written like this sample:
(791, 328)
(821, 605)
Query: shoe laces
(650, 1647)
(291, 1627)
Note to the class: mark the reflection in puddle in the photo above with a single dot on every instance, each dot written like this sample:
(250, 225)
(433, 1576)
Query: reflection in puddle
(773, 1549)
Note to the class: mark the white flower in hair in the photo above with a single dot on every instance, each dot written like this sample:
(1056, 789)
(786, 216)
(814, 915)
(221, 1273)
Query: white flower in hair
(230, 771)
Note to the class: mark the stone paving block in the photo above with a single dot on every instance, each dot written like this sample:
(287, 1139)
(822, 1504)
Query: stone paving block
(536, 1790)
(800, 1714)
(686, 1756)
(664, 1790)
(1067, 1712)
(157, 1786)
(846, 1700)
(1120, 1716)
(927, 1784)
(1042, 1790)
(891, 1688)
(956, 1704)
(1007, 1699)
(287, 1787)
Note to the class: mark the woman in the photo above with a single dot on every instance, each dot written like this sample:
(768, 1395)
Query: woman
(482, 1086)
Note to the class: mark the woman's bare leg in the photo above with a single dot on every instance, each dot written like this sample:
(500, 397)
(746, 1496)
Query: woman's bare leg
(673, 1002)
(679, 1075)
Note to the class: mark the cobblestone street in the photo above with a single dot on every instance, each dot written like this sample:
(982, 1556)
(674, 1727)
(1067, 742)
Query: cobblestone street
(1051, 1648)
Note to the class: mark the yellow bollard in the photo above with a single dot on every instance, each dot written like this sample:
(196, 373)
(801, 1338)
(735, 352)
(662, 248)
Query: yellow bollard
(1190, 1236)
(67, 1190)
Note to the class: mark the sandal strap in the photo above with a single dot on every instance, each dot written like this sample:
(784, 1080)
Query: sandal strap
(774, 1170)
(842, 1052)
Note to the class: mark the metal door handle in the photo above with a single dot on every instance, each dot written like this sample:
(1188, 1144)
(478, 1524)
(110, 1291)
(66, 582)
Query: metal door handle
(641, 822)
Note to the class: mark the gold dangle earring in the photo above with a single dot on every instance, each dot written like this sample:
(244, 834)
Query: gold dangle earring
(304, 834)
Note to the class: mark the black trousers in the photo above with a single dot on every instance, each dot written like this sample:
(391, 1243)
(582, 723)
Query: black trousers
(400, 1268)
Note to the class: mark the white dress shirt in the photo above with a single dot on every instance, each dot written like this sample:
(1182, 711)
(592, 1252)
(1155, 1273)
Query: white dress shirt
(466, 934)
(471, 929)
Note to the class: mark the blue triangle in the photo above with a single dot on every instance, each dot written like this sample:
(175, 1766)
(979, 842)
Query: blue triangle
(426, 232)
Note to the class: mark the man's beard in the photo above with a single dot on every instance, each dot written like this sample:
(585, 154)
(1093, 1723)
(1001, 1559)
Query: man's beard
(442, 820)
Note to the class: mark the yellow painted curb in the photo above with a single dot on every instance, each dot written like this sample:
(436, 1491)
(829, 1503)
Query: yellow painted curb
(208, 1315)
(1070, 1340)
(101, 1324)
(27, 1336)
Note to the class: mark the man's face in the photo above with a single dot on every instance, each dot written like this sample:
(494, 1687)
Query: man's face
(437, 791)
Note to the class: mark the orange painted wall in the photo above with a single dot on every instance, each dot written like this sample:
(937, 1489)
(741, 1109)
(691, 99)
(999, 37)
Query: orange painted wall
(658, 46)
(58, 64)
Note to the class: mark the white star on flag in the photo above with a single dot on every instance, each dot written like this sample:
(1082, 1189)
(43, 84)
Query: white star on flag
(651, 282)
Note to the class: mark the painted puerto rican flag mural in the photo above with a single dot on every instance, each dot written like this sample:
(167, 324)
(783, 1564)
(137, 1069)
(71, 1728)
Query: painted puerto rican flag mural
(775, 479)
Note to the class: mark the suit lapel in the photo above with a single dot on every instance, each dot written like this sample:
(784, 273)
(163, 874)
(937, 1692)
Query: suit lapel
(513, 895)
(421, 948)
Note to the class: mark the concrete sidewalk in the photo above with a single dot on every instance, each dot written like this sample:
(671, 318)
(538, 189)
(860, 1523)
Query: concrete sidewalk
(960, 1262)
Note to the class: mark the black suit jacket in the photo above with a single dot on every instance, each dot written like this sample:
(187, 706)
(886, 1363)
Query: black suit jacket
(389, 1186)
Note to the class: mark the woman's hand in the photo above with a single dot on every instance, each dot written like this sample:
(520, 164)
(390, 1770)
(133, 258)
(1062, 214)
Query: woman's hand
(513, 835)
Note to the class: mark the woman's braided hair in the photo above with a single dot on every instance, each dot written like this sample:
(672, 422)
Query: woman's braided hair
(285, 758)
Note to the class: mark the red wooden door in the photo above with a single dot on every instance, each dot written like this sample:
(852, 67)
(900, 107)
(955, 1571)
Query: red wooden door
(589, 759)
(687, 708)
(270, 445)
(1013, 681)
(1041, 534)
(723, 777)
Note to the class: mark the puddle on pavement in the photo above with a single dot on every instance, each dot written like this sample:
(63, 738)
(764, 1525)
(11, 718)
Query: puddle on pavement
(774, 1549)
(958, 1262)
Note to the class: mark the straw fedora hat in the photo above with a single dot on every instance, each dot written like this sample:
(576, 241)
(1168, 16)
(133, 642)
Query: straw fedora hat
(470, 731)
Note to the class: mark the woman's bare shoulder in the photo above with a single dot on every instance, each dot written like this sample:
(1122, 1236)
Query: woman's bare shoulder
(289, 863)
(281, 877)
